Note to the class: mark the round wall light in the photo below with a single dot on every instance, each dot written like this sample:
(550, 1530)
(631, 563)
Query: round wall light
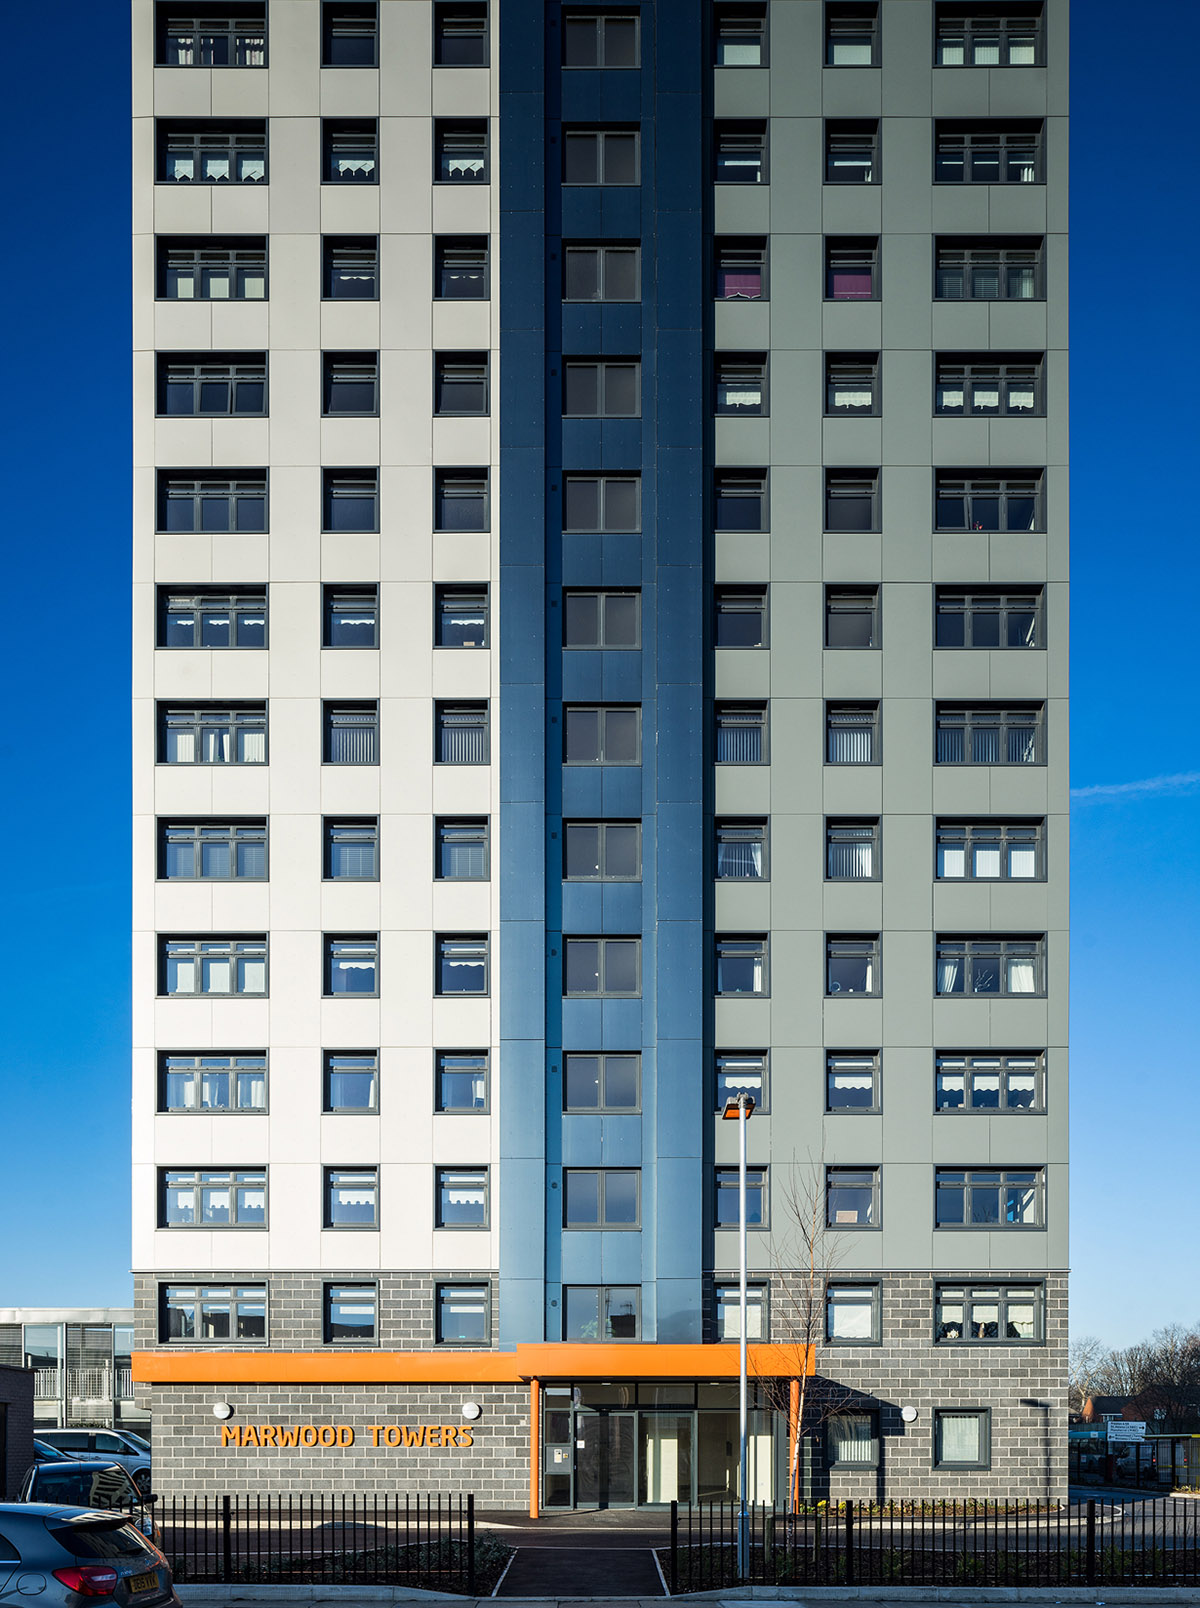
(222, 1409)
(908, 1414)
(471, 1410)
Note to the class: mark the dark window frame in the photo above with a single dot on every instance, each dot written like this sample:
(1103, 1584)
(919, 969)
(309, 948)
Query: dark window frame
(867, 1178)
(451, 598)
(357, 138)
(751, 947)
(357, 715)
(602, 596)
(857, 137)
(1006, 262)
(442, 1182)
(853, 947)
(447, 13)
(873, 1303)
(984, 1416)
(618, 250)
(602, 828)
(851, 18)
(602, 711)
(467, 488)
(601, 1221)
(836, 1444)
(358, 1063)
(232, 1179)
(476, 829)
(174, 603)
(758, 1186)
(230, 138)
(443, 1069)
(574, 16)
(1009, 606)
(340, 256)
(977, 955)
(603, 941)
(863, 488)
(1018, 495)
(462, 714)
(444, 1289)
(1003, 1180)
(744, 832)
(734, 494)
(740, 716)
(727, 1310)
(605, 1319)
(856, 256)
(838, 600)
(461, 369)
(976, 16)
(243, 27)
(230, 831)
(342, 369)
(366, 13)
(602, 135)
(855, 832)
(1011, 139)
(201, 1064)
(730, 602)
(751, 1062)
(241, 258)
(344, 484)
(468, 256)
(331, 1177)
(600, 526)
(1008, 374)
(240, 372)
(1001, 1065)
(349, 945)
(202, 488)
(967, 1292)
(850, 369)
(1006, 834)
(741, 150)
(334, 1293)
(338, 600)
(231, 721)
(1020, 733)
(749, 19)
(745, 372)
(201, 1293)
(363, 829)
(476, 950)
(603, 366)
(861, 721)
(854, 1063)
(465, 141)
(741, 265)
(603, 1104)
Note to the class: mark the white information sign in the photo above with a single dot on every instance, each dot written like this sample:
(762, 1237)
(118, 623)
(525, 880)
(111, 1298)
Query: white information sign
(1123, 1430)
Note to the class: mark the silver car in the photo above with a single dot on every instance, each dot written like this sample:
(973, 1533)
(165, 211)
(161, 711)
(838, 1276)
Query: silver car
(113, 1445)
(66, 1557)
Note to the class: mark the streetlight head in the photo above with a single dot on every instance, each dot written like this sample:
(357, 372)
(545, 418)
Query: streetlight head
(735, 1105)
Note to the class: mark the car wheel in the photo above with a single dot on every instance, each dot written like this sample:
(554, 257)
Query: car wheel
(142, 1480)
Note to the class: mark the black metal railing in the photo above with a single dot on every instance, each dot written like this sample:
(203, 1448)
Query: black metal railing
(424, 1541)
(974, 1543)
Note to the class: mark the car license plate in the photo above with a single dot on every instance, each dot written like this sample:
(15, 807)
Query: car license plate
(143, 1582)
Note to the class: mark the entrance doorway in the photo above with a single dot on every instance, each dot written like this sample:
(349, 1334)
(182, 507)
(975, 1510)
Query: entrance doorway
(605, 1459)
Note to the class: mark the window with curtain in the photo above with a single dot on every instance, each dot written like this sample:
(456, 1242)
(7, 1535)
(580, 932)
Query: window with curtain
(462, 850)
(740, 382)
(962, 1439)
(852, 734)
(989, 734)
(727, 1307)
(462, 735)
(989, 618)
(351, 733)
(851, 384)
(212, 1199)
(461, 1080)
(991, 850)
(852, 965)
(741, 850)
(461, 617)
(462, 964)
(350, 267)
(460, 268)
(973, 33)
(852, 1440)
(850, 268)
(852, 850)
(351, 1314)
(741, 1072)
(740, 268)
(212, 1313)
(211, 619)
(996, 152)
(350, 150)
(460, 150)
(741, 733)
(991, 965)
(852, 1081)
(980, 386)
(741, 963)
(990, 1080)
(990, 1197)
(211, 151)
(210, 965)
(200, 1082)
(351, 1080)
(196, 36)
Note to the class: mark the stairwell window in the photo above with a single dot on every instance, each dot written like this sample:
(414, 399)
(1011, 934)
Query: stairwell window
(852, 617)
(599, 503)
(602, 735)
(602, 273)
(611, 620)
(608, 968)
(602, 1312)
(604, 39)
(601, 156)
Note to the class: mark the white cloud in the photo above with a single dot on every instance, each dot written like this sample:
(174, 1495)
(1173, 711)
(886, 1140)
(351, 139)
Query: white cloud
(1183, 782)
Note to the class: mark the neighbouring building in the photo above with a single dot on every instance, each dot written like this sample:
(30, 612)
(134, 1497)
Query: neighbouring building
(600, 566)
(80, 1358)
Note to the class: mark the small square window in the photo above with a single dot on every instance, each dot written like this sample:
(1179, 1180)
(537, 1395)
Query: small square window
(741, 1072)
(611, 620)
(350, 267)
(852, 850)
(462, 735)
(851, 500)
(852, 1081)
(741, 964)
(461, 1080)
(851, 734)
(351, 617)
(601, 156)
(351, 1197)
(740, 34)
(602, 968)
(602, 735)
(352, 850)
(460, 268)
(852, 33)
(460, 617)
(460, 33)
(740, 384)
(852, 388)
(741, 733)
(351, 1080)
(602, 1083)
(462, 850)
(852, 1440)
(462, 1197)
(601, 272)
(602, 503)
(852, 617)
(602, 851)
(602, 1312)
(349, 150)
(349, 33)
(351, 1314)
(463, 1313)
(350, 500)
(726, 1197)
(462, 965)
(741, 850)
(460, 500)
(740, 268)
(727, 1303)
(852, 151)
(350, 385)
(851, 268)
(740, 500)
(460, 150)
(739, 151)
(852, 1314)
(351, 733)
(352, 966)
(962, 1438)
(852, 966)
(602, 388)
(852, 1197)
(460, 384)
(740, 617)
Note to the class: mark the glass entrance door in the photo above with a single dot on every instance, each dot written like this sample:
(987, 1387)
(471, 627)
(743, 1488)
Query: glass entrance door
(665, 1457)
(605, 1459)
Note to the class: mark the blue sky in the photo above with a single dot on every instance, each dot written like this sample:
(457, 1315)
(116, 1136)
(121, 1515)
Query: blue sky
(63, 1055)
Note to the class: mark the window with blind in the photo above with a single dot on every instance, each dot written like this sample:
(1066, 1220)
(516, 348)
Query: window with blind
(461, 964)
(230, 151)
(852, 1197)
(981, 385)
(209, 36)
(351, 965)
(992, 965)
(212, 502)
(351, 617)
(851, 734)
(988, 268)
(990, 1197)
(212, 267)
(852, 1440)
(994, 152)
(351, 1314)
(740, 268)
(973, 33)
(460, 1080)
(741, 964)
(852, 965)
(852, 1081)
(213, 850)
(350, 267)
(610, 1082)
(204, 1083)
(852, 850)
(851, 264)
(351, 733)
(349, 150)
(461, 734)
(741, 1072)
(741, 733)
(211, 384)
(852, 387)
(351, 1197)
(740, 384)
(460, 150)
(207, 735)
(727, 1312)
(991, 850)
(962, 1438)
(461, 1197)
(739, 151)
(989, 734)
(741, 850)
(218, 1313)
(352, 850)
(990, 1080)
(740, 34)
(852, 151)
(351, 1080)
(853, 1313)
(462, 850)
(852, 33)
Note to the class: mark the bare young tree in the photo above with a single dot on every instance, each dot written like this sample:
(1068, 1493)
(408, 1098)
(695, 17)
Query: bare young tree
(1085, 1362)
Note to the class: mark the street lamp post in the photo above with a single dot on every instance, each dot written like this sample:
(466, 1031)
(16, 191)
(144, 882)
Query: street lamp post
(739, 1110)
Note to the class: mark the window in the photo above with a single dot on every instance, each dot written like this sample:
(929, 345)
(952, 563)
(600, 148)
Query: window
(351, 1314)
(204, 735)
(852, 617)
(602, 388)
(352, 966)
(851, 1081)
(981, 385)
(962, 1439)
(462, 1197)
(993, 501)
(209, 1083)
(206, 151)
(991, 965)
(462, 850)
(602, 503)
(851, 33)
(852, 151)
(610, 620)
(190, 1199)
(216, 850)
(995, 268)
(351, 617)
(608, 968)
(606, 1197)
(462, 1314)
(989, 734)
(852, 1313)
(461, 734)
(726, 1198)
(349, 150)
(740, 268)
(460, 499)
(350, 267)
(741, 964)
(197, 1313)
(990, 619)
(206, 36)
(1012, 1197)
(351, 1197)
(727, 1304)
(601, 156)
(851, 269)
(349, 500)
(460, 616)
(984, 35)
(851, 500)
(741, 733)
(741, 850)
(608, 734)
(351, 1080)
(740, 35)
(462, 964)
(739, 151)
(967, 1313)
(460, 268)
(461, 1080)
(740, 499)
(460, 150)
(994, 850)
(602, 851)
(212, 384)
(214, 501)
(740, 617)
(352, 850)
(212, 267)
(852, 1440)
(852, 965)
(851, 734)
(851, 384)
(212, 619)
(460, 33)
(350, 384)
(600, 39)
(988, 153)
(852, 850)
(988, 1081)
(740, 384)
(349, 34)
(602, 1312)
(741, 1072)
(351, 733)
(602, 1082)
(460, 384)
(852, 1197)
(602, 273)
